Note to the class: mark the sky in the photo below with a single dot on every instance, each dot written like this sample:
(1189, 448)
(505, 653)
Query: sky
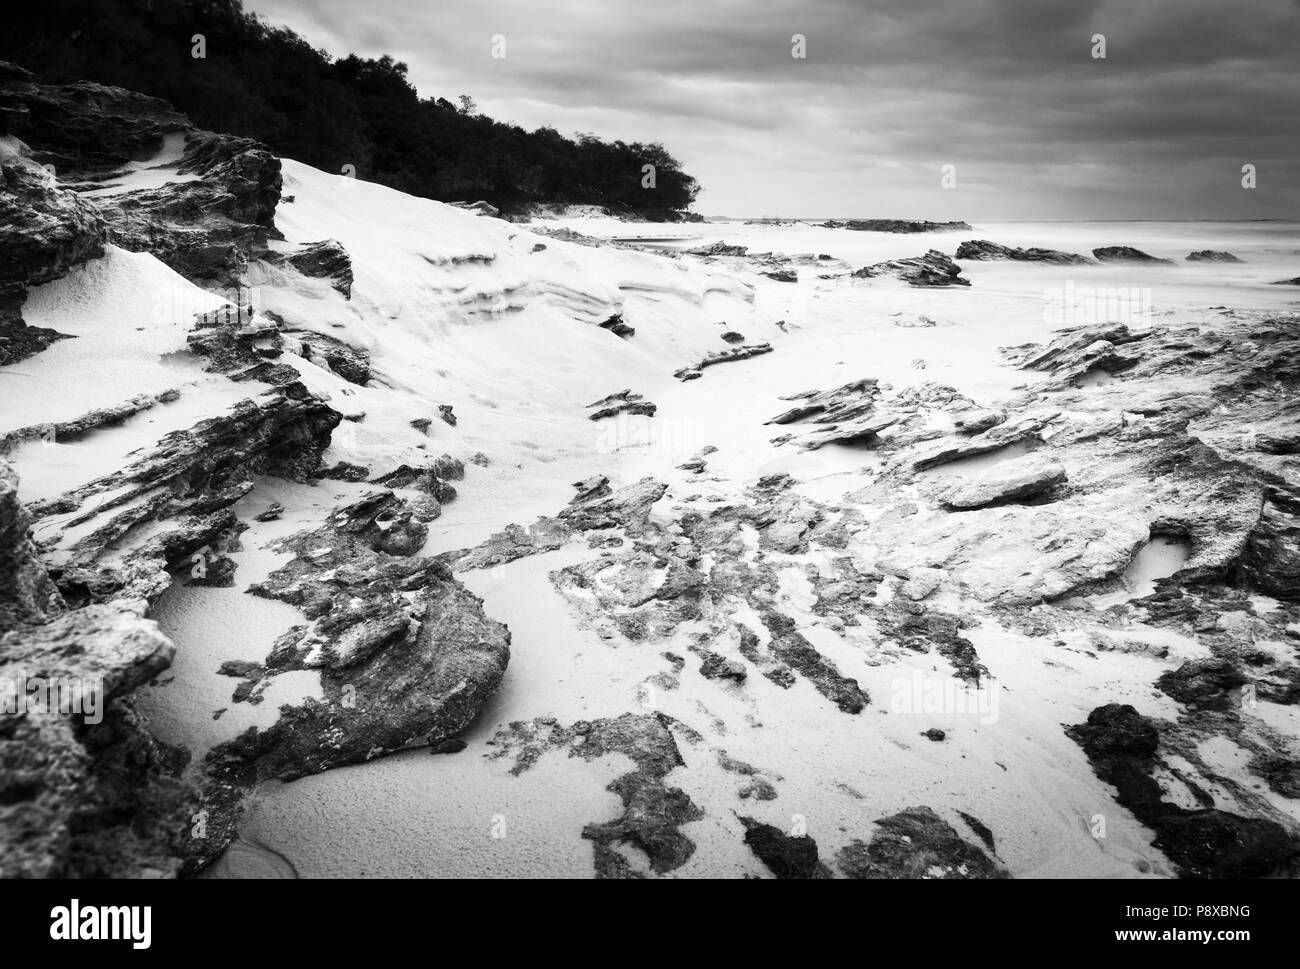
(1006, 92)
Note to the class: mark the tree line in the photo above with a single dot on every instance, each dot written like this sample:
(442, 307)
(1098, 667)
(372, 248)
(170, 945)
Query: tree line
(266, 82)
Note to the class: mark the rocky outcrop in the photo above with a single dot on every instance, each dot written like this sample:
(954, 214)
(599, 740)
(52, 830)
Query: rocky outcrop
(83, 127)
(623, 402)
(1123, 747)
(326, 260)
(981, 250)
(186, 483)
(916, 843)
(1127, 254)
(653, 812)
(695, 371)
(903, 226)
(1211, 255)
(45, 232)
(932, 269)
(206, 229)
(1010, 481)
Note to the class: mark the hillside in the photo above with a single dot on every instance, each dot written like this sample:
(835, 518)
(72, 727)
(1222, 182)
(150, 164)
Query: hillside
(267, 83)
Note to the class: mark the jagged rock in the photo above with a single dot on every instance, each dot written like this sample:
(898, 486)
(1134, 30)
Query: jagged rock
(1271, 559)
(187, 481)
(782, 275)
(616, 326)
(326, 260)
(1008, 481)
(445, 412)
(717, 249)
(787, 856)
(208, 228)
(27, 595)
(628, 506)
(1208, 684)
(983, 250)
(653, 812)
(421, 424)
(349, 362)
(273, 512)
(1126, 254)
(83, 127)
(1210, 255)
(77, 428)
(916, 843)
(1122, 747)
(732, 337)
(45, 232)
(895, 225)
(85, 792)
(846, 414)
(932, 269)
(623, 402)
(723, 356)
(479, 208)
(1287, 282)
(347, 471)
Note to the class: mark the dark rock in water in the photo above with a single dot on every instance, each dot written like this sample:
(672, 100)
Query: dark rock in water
(932, 269)
(718, 667)
(628, 505)
(421, 424)
(1127, 254)
(445, 412)
(723, 356)
(935, 734)
(895, 225)
(1271, 559)
(616, 326)
(787, 856)
(1121, 745)
(732, 337)
(326, 260)
(1287, 282)
(981, 250)
(916, 843)
(1210, 255)
(783, 275)
(1207, 684)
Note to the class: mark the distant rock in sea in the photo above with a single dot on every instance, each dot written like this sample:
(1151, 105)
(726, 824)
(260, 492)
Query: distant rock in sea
(1287, 282)
(894, 225)
(1210, 255)
(932, 269)
(1127, 254)
(984, 251)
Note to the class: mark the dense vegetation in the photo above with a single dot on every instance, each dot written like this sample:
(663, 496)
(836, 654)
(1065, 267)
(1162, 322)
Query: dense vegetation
(268, 83)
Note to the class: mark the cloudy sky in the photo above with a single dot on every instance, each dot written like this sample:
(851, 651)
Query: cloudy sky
(890, 92)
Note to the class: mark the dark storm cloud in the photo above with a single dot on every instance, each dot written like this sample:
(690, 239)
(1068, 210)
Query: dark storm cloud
(1005, 90)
